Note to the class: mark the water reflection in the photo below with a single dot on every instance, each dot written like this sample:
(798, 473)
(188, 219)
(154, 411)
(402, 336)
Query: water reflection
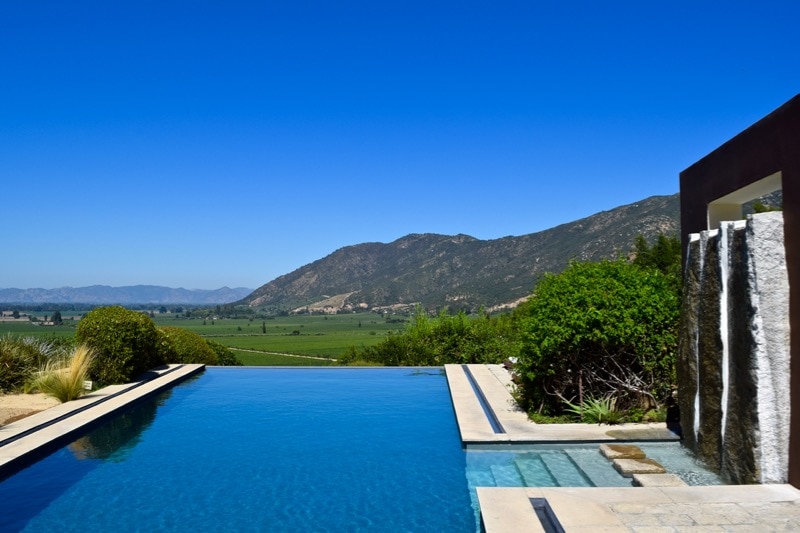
(112, 440)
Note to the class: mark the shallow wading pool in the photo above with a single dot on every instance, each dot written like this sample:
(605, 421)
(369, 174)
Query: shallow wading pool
(242, 449)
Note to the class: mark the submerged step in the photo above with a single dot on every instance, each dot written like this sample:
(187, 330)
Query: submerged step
(600, 473)
(533, 471)
(480, 478)
(507, 476)
(563, 469)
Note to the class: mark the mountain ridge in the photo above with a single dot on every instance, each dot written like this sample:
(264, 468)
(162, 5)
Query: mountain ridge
(461, 271)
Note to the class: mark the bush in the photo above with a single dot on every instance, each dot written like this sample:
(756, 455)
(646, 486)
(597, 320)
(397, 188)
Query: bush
(447, 338)
(125, 343)
(20, 358)
(225, 356)
(609, 328)
(63, 377)
(184, 346)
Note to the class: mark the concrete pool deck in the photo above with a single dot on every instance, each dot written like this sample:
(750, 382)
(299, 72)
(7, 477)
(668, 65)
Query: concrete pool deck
(21, 439)
(721, 508)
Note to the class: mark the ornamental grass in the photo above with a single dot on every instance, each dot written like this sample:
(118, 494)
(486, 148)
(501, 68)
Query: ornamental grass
(63, 377)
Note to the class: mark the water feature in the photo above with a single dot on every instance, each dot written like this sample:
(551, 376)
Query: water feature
(733, 362)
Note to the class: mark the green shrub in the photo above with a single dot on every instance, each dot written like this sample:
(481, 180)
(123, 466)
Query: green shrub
(63, 377)
(607, 328)
(362, 362)
(20, 358)
(125, 343)
(655, 415)
(446, 338)
(225, 356)
(537, 418)
(183, 346)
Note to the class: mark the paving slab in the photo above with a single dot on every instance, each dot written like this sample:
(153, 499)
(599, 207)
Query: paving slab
(721, 508)
(657, 480)
(628, 467)
(621, 451)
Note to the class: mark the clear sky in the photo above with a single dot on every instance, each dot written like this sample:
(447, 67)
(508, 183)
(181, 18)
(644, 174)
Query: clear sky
(202, 144)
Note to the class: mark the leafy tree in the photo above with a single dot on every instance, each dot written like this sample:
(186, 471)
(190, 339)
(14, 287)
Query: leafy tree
(605, 329)
(125, 343)
(179, 345)
(663, 255)
(57, 320)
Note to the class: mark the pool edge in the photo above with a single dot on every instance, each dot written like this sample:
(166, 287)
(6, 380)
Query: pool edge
(28, 438)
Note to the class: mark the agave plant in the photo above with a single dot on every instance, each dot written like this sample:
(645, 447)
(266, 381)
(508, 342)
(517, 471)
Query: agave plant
(597, 410)
(63, 377)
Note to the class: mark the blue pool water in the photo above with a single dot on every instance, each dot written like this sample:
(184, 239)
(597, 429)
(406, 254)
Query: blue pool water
(571, 465)
(293, 450)
(260, 450)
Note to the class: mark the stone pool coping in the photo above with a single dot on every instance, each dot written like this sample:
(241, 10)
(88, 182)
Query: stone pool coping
(493, 383)
(601, 509)
(24, 438)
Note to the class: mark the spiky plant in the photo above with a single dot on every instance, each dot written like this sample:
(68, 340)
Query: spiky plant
(62, 378)
(597, 410)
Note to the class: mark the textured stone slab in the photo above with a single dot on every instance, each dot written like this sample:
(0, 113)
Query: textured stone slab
(759, 508)
(658, 480)
(621, 451)
(628, 467)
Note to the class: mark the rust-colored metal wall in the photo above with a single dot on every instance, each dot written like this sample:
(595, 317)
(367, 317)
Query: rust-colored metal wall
(769, 146)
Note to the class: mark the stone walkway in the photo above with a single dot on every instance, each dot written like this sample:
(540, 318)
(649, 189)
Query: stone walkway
(725, 508)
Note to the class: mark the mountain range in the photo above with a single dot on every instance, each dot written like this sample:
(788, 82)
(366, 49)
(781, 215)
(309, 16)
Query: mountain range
(457, 271)
(460, 271)
(136, 294)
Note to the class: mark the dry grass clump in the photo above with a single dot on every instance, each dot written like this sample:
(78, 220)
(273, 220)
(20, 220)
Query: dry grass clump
(63, 377)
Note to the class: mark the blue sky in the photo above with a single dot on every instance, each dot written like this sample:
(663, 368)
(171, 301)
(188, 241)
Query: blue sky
(203, 144)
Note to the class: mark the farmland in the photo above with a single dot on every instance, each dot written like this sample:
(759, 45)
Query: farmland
(272, 341)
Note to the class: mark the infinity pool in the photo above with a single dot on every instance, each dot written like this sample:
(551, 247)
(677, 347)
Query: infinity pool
(260, 450)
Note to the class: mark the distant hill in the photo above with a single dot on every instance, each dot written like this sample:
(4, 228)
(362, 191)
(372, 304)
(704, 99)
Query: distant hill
(137, 294)
(458, 270)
